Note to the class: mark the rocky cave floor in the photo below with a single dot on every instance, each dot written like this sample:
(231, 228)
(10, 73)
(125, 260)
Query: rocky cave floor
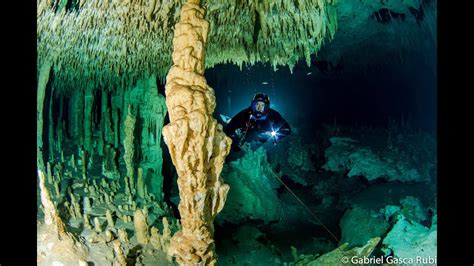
(360, 183)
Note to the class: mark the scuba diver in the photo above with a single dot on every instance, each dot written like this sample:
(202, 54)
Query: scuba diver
(258, 123)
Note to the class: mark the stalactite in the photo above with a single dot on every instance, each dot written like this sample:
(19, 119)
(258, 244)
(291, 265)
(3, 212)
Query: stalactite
(43, 78)
(142, 43)
(195, 140)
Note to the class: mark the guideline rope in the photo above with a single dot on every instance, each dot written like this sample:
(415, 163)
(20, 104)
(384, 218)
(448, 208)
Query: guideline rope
(306, 207)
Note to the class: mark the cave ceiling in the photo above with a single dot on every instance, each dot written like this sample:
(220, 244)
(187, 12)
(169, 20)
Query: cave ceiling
(114, 43)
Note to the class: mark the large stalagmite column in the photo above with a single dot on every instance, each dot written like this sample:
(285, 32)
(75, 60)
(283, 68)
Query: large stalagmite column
(195, 140)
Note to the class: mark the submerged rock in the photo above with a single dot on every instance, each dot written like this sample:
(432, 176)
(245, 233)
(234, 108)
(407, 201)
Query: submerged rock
(358, 225)
(299, 155)
(389, 210)
(345, 154)
(252, 193)
(340, 255)
(412, 241)
(412, 208)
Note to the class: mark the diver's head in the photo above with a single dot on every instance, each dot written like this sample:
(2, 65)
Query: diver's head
(260, 104)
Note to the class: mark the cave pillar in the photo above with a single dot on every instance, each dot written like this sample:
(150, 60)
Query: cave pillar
(51, 126)
(196, 142)
(60, 125)
(76, 112)
(88, 102)
(116, 107)
(116, 128)
(106, 120)
(43, 78)
(129, 147)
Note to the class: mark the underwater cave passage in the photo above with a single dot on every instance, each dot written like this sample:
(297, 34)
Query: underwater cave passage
(333, 128)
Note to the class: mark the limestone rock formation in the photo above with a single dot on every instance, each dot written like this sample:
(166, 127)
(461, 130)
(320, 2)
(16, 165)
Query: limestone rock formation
(197, 143)
(358, 225)
(110, 220)
(348, 154)
(165, 238)
(299, 155)
(150, 110)
(117, 43)
(88, 102)
(417, 241)
(141, 227)
(63, 244)
(43, 78)
(120, 256)
(140, 184)
(155, 238)
(295, 158)
(123, 236)
(120, 42)
(109, 165)
(413, 209)
(253, 194)
(129, 147)
(341, 256)
(389, 210)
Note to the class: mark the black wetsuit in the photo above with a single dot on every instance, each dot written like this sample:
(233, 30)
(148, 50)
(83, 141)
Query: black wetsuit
(258, 130)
